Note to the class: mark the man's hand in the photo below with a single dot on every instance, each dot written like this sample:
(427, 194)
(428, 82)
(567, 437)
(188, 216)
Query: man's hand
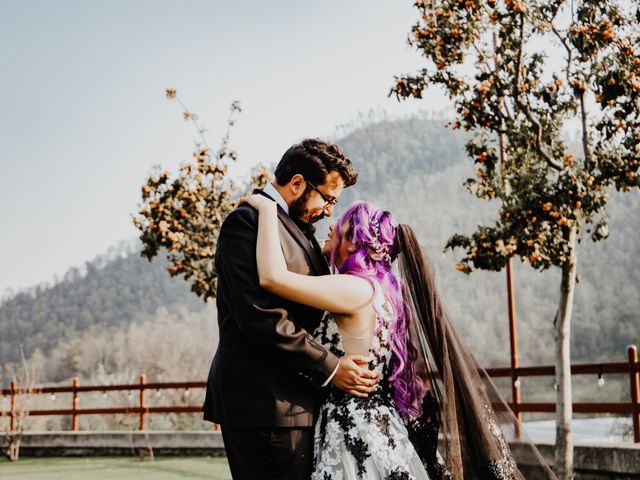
(353, 378)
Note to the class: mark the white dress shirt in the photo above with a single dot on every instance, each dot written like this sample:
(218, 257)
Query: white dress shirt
(275, 194)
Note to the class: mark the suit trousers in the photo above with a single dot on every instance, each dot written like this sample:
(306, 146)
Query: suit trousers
(269, 453)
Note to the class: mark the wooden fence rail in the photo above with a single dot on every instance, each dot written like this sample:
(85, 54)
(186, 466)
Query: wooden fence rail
(75, 389)
(630, 367)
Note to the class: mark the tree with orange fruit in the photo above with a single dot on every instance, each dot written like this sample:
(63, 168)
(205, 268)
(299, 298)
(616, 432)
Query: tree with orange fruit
(183, 214)
(520, 73)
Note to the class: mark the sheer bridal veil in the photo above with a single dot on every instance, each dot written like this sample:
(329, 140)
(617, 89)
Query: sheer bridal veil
(477, 428)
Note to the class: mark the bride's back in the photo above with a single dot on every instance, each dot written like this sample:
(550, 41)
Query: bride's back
(356, 331)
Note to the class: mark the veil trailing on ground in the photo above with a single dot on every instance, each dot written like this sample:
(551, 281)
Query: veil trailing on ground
(480, 436)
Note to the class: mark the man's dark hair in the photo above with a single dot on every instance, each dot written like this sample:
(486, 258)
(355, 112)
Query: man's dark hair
(314, 159)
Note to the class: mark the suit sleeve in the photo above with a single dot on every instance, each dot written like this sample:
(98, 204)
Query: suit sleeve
(252, 307)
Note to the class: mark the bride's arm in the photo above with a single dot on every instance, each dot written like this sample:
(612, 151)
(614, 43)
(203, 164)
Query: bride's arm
(334, 293)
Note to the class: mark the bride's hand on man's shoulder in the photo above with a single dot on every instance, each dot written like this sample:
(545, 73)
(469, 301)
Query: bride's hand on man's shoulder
(257, 201)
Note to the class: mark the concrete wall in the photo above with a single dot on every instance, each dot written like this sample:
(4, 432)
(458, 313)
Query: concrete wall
(601, 461)
(186, 443)
(592, 462)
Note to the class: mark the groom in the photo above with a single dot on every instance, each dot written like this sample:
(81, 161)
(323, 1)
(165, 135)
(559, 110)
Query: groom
(267, 377)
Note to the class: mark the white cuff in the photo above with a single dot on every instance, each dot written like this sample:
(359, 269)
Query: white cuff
(328, 380)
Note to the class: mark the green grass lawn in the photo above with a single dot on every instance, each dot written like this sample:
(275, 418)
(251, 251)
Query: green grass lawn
(112, 468)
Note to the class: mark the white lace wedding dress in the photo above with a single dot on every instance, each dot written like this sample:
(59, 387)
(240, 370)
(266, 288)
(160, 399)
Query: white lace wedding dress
(364, 438)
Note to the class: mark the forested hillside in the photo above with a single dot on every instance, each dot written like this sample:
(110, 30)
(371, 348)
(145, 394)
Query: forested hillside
(91, 320)
(100, 300)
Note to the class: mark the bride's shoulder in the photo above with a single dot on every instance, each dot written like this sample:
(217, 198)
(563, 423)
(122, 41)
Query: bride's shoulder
(359, 289)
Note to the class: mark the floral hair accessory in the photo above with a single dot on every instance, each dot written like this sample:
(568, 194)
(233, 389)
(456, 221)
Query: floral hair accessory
(378, 251)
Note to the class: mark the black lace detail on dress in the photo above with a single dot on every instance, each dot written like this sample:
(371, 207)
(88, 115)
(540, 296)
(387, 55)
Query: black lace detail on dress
(370, 431)
(332, 341)
(399, 474)
(423, 432)
(356, 446)
(323, 424)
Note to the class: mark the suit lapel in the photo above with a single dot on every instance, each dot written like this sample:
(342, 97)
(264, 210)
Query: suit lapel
(303, 241)
(312, 251)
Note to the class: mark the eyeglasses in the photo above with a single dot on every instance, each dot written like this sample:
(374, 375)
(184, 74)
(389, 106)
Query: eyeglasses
(330, 201)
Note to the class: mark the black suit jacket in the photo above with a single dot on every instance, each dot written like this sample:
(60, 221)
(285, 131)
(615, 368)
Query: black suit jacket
(268, 369)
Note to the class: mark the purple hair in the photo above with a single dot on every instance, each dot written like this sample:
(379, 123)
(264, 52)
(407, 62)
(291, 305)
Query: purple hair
(373, 233)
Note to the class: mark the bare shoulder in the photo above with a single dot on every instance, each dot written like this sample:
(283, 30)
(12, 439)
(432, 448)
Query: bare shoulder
(360, 288)
(356, 281)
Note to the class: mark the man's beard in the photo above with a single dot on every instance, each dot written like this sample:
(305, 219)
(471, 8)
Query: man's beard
(298, 210)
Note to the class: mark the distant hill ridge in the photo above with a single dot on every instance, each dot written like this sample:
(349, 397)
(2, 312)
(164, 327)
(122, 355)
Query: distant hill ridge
(415, 168)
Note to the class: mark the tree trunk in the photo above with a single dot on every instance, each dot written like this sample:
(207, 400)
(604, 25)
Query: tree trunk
(562, 322)
(13, 447)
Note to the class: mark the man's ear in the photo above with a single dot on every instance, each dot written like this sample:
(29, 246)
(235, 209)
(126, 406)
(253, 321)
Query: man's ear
(297, 184)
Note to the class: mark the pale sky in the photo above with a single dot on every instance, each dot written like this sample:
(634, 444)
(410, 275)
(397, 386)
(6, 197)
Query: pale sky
(84, 117)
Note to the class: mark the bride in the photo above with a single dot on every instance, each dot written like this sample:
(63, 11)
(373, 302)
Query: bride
(429, 382)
